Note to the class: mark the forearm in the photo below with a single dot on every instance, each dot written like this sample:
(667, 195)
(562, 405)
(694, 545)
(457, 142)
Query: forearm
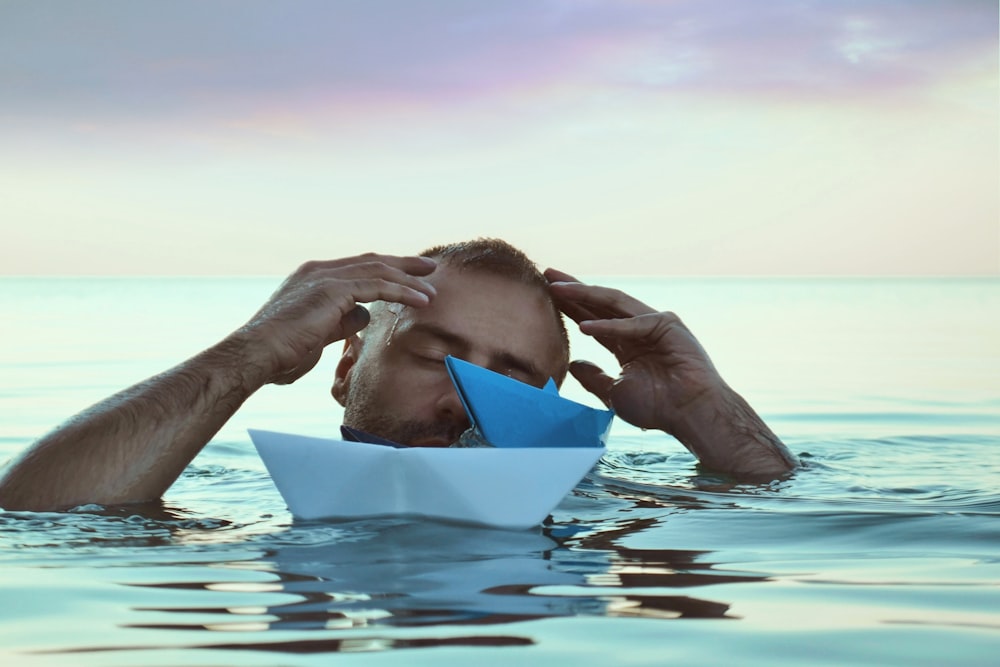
(132, 446)
(728, 436)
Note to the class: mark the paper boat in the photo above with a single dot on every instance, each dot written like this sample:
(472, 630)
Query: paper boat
(513, 414)
(544, 445)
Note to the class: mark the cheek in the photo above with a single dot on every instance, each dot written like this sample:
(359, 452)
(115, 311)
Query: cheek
(411, 392)
(400, 382)
(423, 386)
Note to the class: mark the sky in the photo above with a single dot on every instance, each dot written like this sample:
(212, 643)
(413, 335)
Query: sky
(605, 137)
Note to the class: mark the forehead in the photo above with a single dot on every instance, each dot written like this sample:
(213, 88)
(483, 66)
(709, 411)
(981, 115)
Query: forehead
(492, 315)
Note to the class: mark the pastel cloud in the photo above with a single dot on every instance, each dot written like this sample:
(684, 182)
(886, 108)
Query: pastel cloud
(161, 58)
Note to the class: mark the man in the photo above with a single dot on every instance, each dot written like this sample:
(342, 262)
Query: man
(481, 301)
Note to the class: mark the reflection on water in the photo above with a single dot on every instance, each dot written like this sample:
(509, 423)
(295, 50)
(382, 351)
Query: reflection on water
(467, 577)
(373, 575)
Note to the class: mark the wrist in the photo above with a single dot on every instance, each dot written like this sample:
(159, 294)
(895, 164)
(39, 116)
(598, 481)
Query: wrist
(235, 359)
(693, 419)
(728, 436)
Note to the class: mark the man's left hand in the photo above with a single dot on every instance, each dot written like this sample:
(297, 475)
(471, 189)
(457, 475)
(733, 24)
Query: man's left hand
(667, 381)
(663, 367)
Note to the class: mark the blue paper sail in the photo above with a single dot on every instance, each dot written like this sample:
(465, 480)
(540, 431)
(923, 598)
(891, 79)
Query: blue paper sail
(509, 413)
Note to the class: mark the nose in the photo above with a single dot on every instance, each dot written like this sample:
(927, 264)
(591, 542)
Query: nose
(449, 409)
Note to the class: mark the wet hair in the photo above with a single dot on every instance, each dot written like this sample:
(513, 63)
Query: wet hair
(499, 258)
(493, 256)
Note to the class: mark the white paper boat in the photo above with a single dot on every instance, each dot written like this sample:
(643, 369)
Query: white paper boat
(503, 487)
(543, 446)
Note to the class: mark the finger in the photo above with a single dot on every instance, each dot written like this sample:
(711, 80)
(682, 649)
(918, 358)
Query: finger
(644, 327)
(627, 338)
(593, 379)
(557, 276)
(572, 309)
(333, 279)
(307, 364)
(367, 290)
(353, 321)
(376, 271)
(367, 282)
(579, 312)
(413, 265)
(603, 301)
(417, 266)
(575, 311)
(657, 332)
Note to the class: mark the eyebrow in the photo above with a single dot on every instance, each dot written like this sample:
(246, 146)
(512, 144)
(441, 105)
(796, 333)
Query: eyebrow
(502, 359)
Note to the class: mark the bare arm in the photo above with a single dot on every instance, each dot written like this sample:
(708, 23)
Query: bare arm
(132, 446)
(668, 382)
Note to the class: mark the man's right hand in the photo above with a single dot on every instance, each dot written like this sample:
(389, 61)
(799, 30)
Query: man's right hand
(320, 304)
(133, 445)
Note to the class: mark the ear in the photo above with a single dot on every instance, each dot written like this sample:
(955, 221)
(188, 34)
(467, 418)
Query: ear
(342, 376)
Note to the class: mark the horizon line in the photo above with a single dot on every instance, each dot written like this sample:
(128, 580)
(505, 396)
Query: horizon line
(740, 276)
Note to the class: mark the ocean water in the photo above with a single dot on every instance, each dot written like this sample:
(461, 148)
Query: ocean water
(884, 549)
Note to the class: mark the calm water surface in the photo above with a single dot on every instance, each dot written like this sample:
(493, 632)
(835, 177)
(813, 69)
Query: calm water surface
(884, 549)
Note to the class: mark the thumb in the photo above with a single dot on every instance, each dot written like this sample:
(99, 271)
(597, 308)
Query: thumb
(593, 379)
(307, 364)
(354, 321)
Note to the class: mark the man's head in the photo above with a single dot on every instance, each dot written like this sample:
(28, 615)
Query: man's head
(499, 259)
(492, 308)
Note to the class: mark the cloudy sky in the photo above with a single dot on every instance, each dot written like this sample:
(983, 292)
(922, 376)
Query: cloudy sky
(603, 136)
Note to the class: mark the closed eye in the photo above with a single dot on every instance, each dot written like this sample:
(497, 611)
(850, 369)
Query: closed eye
(518, 369)
(429, 355)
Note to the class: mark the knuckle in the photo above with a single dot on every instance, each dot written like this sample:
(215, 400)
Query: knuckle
(669, 316)
(307, 267)
(374, 266)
